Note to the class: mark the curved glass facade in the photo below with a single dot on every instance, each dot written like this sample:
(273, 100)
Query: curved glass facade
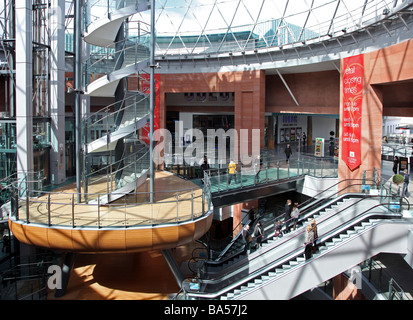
(214, 26)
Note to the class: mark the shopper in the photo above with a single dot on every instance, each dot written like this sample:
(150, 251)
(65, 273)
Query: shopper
(278, 227)
(287, 213)
(257, 169)
(232, 171)
(315, 231)
(246, 237)
(405, 192)
(258, 234)
(395, 164)
(309, 239)
(288, 152)
(204, 166)
(304, 139)
(294, 215)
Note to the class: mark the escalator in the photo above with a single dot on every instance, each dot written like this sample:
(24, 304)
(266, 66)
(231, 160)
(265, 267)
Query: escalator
(350, 228)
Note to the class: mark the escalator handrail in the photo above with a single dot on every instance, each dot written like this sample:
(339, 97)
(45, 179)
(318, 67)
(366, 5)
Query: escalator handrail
(331, 233)
(291, 255)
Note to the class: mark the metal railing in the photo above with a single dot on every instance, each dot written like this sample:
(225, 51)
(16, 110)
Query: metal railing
(269, 171)
(132, 209)
(214, 292)
(130, 110)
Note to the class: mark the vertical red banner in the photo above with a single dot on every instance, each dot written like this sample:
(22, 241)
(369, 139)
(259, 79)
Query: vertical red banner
(146, 88)
(353, 78)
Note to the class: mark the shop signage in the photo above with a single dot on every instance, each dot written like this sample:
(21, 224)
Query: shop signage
(353, 74)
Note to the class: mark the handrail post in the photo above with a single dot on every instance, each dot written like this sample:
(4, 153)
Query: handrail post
(288, 169)
(126, 202)
(203, 202)
(98, 212)
(192, 204)
(48, 210)
(177, 206)
(73, 210)
(278, 170)
(27, 207)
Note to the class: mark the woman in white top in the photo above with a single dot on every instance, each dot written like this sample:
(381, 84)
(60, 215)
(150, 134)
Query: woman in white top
(294, 215)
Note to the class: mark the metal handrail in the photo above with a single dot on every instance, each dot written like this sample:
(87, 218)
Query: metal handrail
(44, 199)
(281, 260)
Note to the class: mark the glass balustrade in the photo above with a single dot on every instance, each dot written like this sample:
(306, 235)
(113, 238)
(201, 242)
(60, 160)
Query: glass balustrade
(105, 60)
(116, 175)
(132, 209)
(106, 121)
(269, 171)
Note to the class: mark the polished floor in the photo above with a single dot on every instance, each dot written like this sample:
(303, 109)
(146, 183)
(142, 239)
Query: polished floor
(131, 276)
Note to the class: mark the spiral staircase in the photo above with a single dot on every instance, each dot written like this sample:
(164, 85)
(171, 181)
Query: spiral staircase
(116, 159)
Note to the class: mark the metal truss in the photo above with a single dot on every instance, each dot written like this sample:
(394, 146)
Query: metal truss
(191, 27)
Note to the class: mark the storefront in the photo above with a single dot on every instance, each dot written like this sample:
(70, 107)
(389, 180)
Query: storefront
(288, 128)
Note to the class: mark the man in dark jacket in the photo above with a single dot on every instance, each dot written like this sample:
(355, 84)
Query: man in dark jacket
(288, 152)
(287, 213)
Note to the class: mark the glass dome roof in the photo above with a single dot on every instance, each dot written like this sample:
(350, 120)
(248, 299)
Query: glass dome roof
(213, 26)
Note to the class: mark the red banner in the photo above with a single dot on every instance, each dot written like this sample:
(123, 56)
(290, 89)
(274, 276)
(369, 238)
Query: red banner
(146, 88)
(353, 74)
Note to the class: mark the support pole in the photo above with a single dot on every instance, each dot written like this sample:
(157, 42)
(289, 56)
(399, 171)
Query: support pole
(173, 266)
(77, 85)
(67, 266)
(152, 104)
(287, 87)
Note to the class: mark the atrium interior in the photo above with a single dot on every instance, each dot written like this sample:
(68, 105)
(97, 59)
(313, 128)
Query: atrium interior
(150, 150)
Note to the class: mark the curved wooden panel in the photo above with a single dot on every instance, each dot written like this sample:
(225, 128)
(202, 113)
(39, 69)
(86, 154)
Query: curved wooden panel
(165, 237)
(139, 237)
(112, 240)
(86, 240)
(186, 233)
(62, 237)
(18, 231)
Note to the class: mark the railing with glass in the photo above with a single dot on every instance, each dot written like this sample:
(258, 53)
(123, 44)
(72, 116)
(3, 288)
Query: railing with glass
(271, 170)
(389, 151)
(94, 10)
(107, 120)
(105, 60)
(132, 209)
(356, 219)
(376, 273)
(112, 177)
(389, 199)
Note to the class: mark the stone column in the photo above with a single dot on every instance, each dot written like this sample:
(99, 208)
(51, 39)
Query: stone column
(24, 87)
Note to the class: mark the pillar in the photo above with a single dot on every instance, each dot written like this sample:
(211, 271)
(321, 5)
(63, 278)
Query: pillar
(24, 87)
(57, 92)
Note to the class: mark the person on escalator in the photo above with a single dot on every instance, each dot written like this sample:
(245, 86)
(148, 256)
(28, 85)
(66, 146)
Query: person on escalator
(309, 239)
(287, 213)
(294, 215)
(246, 237)
(314, 227)
(258, 234)
(278, 227)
